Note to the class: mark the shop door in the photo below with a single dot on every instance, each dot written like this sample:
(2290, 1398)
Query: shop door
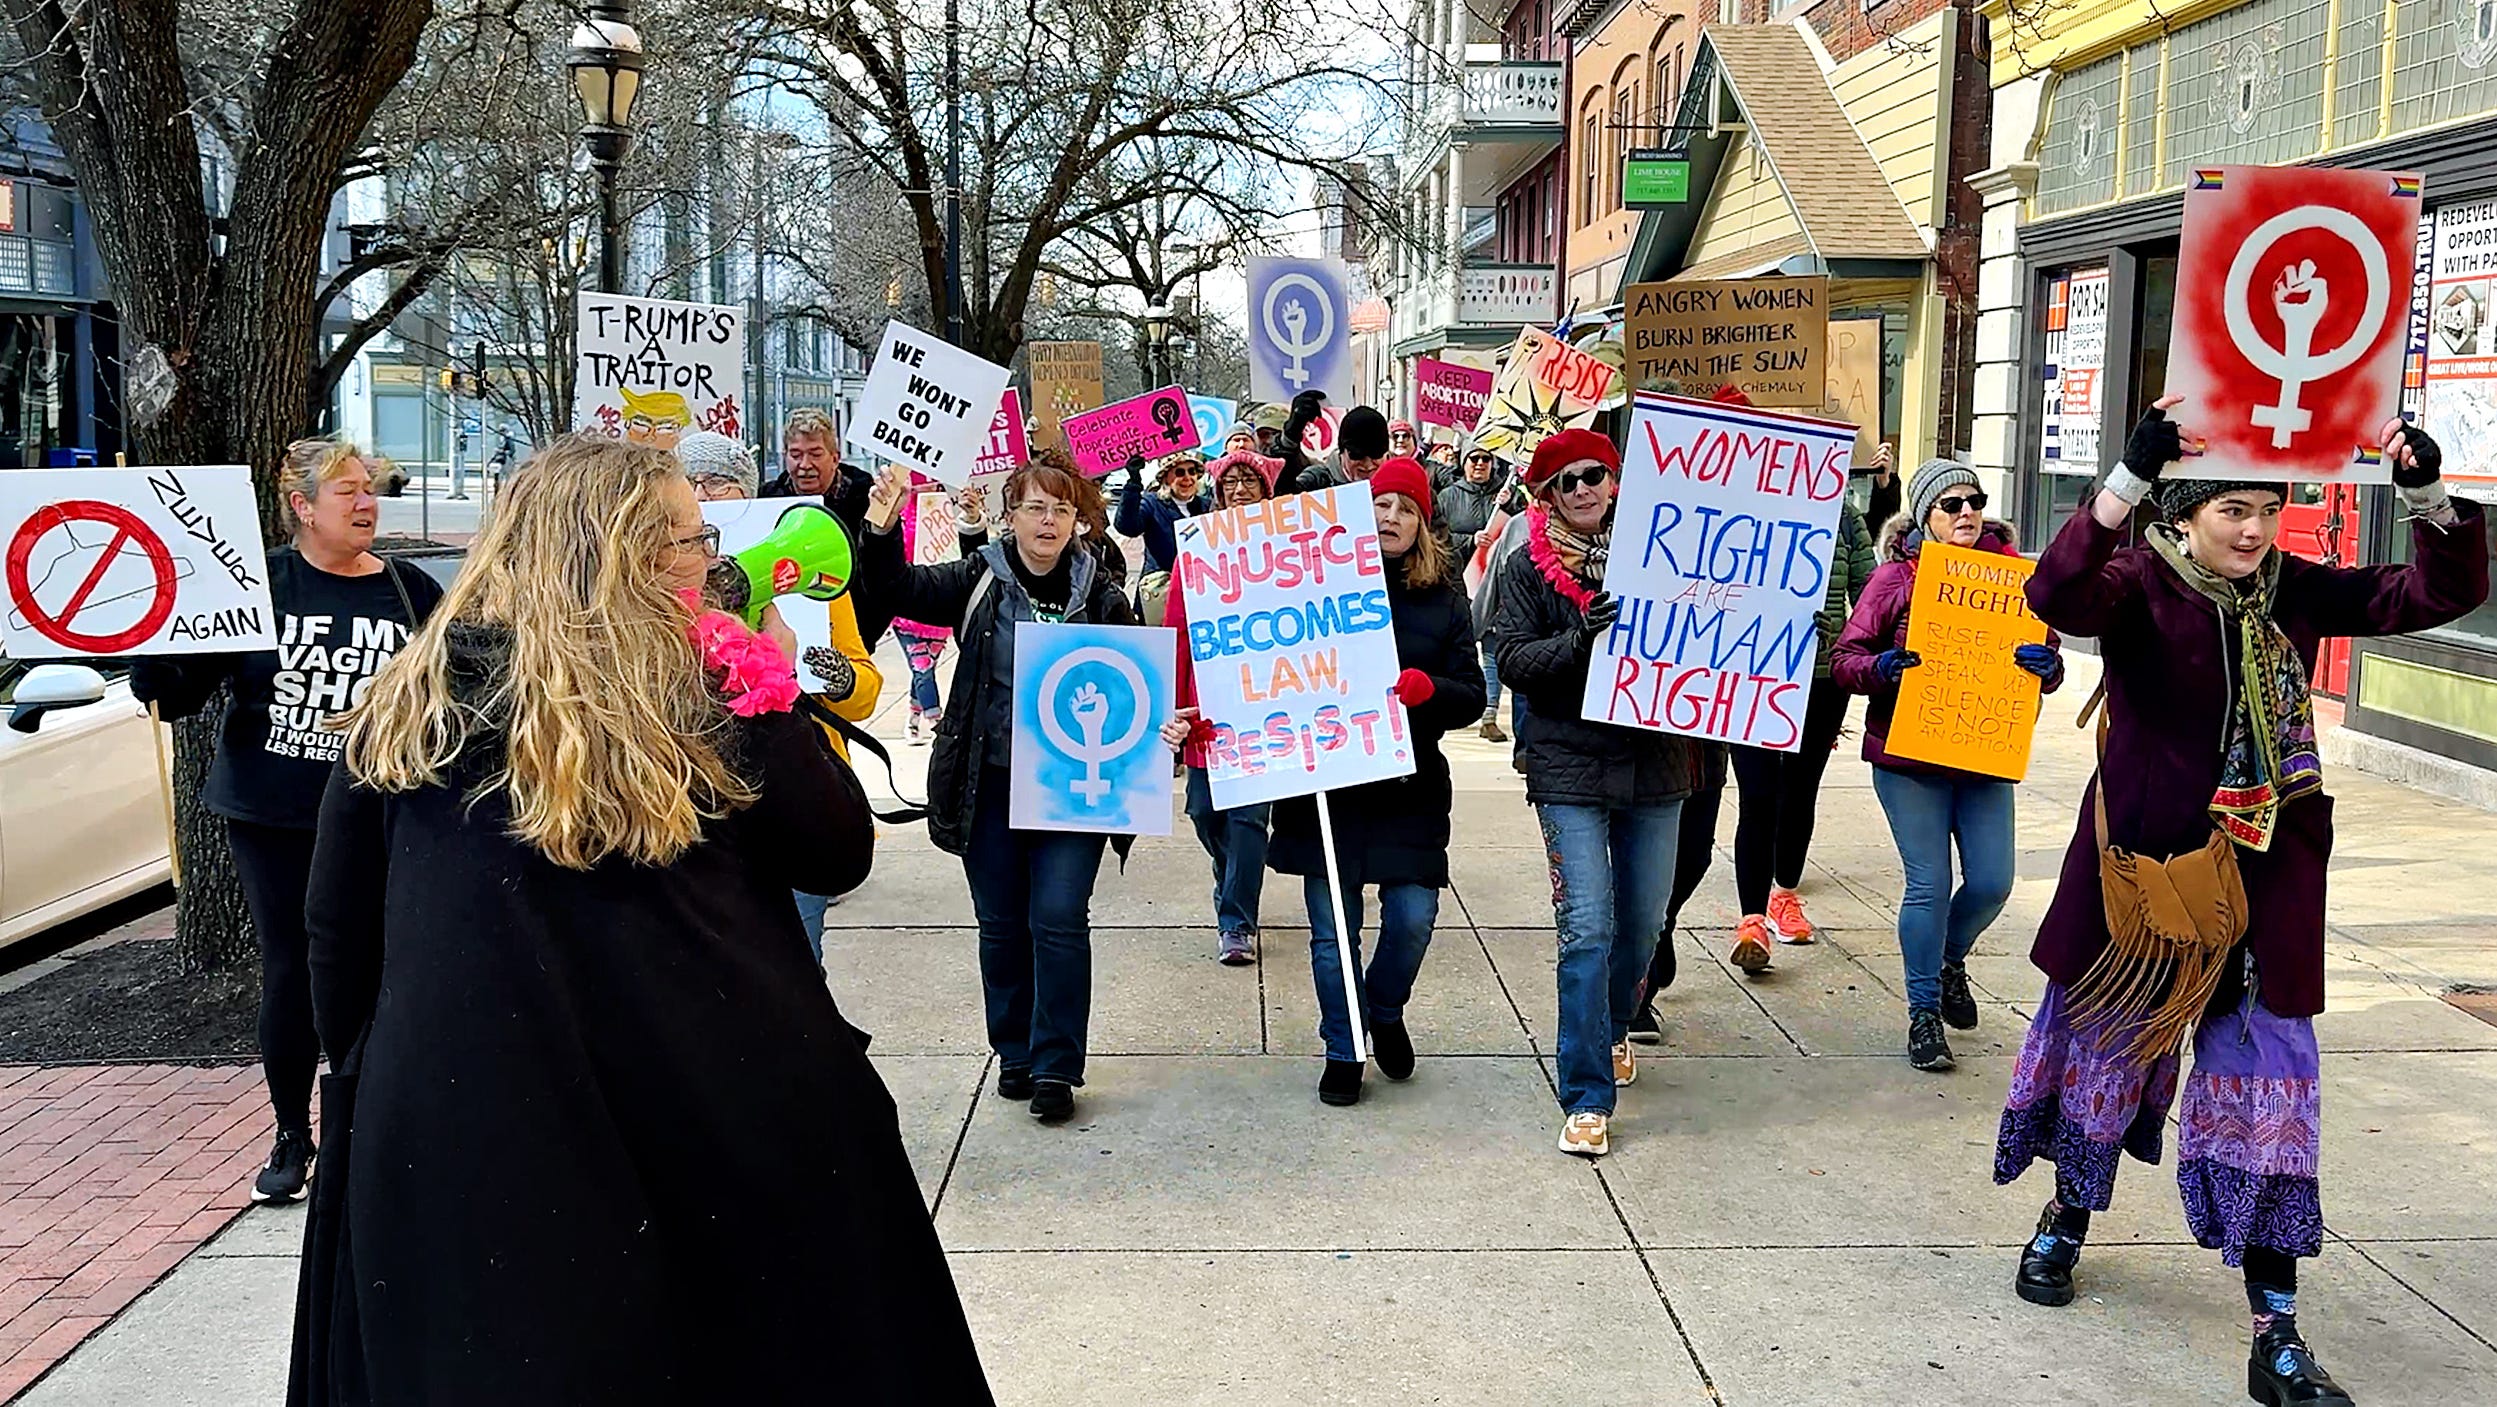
(2323, 527)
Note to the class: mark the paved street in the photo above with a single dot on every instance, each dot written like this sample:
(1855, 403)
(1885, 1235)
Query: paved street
(1790, 1215)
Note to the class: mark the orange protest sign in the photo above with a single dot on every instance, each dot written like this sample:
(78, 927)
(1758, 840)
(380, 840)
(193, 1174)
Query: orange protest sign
(1968, 705)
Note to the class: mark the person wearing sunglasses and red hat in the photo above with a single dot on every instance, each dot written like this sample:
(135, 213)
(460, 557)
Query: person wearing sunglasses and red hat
(1608, 798)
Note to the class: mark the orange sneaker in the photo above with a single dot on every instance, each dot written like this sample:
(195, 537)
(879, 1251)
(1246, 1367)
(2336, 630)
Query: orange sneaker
(1786, 918)
(1751, 944)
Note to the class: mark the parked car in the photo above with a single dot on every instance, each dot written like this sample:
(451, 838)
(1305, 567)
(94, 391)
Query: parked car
(82, 811)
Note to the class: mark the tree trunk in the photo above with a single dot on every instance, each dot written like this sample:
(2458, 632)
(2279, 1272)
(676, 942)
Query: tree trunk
(212, 928)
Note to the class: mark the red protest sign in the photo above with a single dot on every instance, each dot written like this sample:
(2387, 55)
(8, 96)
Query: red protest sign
(1008, 447)
(1448, 393)
(2291, 288)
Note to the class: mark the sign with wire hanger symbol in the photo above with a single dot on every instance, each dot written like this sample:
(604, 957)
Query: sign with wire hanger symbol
(90, 567)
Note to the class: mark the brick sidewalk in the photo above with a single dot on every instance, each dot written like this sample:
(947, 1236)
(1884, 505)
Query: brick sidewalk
(109, 1176)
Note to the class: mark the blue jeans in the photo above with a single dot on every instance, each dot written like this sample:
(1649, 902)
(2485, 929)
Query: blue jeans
(1927, 813)
(811, 909)
(1612, 876)
(923, 689)
(1236, 842)
(1491, 679)
(1406, 915)
(1032, 894)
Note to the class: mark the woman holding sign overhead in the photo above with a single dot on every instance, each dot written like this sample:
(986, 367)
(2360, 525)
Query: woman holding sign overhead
(1930, 808)
(2210, 779)
(1392, 833)
(1031, 890)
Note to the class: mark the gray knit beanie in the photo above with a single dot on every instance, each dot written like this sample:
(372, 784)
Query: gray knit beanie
(1934, 478)
(2179, 498)
(708, 455)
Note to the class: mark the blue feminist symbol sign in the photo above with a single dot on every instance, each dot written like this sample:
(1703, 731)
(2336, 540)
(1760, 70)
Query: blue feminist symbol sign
(1089, 703)
(1300, 333)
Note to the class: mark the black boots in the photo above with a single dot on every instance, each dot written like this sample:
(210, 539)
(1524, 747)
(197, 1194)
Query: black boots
(1341, 1084)
(2046, 1262)
(2282, 1372)
(1392, 1049)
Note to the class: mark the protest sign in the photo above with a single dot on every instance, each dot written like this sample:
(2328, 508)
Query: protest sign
(1089, 704)
(1319, 438)
(935, 534)
(1855, 378)
(1445, 393)
(1765, 337)
(2290, 322)
(2081, 366)
(743, 522)
(1147, 426)
(1294, 650)
(1066, 378)
(1300, 328)
(1547, 386)
(650, 369)
(1008, 448)
(2459, 365)
(1722, 538)
(1215, 419)
(1968, 705)
(928, 405)
(159, 561)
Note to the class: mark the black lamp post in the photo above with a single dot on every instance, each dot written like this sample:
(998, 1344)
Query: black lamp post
(607, 73)
(1157, 321)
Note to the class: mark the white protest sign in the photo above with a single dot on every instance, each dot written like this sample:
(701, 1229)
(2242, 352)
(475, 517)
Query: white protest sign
(1293, 646)
(161, 561)
(1722, 538)
(649, 369)
(928, 405)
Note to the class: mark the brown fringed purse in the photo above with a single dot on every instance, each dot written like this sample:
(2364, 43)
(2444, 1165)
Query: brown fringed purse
(2171, 925)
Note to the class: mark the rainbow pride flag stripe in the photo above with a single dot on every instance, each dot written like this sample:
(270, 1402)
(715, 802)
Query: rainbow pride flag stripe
(2209, 178)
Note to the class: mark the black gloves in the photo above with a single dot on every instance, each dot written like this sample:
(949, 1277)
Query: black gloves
(2423, 465)
(2154, 445)
(1602, 611)
(1135, 468)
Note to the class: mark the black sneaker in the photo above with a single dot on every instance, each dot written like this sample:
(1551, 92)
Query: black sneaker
(1052, 1100)
(1643, 1027)
(290, 1167)
(1392, 1048)
(1341, 1084)
(1959, 1005)
(2046, 1263)
(2282, 1372)
(1014, 1082)
(1927, 1048)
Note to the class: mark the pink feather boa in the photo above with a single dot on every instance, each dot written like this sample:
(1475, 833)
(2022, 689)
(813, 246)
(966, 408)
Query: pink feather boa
(1548, 562)
(751, 672)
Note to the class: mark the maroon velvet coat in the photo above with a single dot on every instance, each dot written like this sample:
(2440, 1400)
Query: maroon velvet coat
(2169, 667)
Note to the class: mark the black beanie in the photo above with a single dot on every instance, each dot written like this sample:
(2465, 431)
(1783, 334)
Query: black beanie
(1363, 435)
(2179, 498)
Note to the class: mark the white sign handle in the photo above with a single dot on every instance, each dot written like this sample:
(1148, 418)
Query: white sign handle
(1353, 1010)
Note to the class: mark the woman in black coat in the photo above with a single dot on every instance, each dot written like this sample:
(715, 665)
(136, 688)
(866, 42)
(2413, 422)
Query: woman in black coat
(1394, 833)
(599, 1133)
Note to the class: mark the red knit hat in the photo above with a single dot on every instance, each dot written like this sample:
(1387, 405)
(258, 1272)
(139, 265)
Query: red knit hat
(1731, 395)
(1404, 476)
(1559, 451)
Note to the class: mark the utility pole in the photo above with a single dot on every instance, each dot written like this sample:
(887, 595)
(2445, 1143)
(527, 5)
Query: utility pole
(953, 171)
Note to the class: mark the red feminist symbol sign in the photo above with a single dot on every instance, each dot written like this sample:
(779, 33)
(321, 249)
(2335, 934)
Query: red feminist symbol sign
(87, 566)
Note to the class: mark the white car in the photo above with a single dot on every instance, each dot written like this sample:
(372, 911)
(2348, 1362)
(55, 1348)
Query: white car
(82, 812)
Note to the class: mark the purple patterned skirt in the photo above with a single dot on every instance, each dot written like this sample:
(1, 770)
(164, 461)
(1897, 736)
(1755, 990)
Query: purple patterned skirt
(2248, 1130)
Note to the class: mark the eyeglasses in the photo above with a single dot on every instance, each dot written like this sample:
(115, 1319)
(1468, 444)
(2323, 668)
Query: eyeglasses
(1576, 478)
(1044, 508)
(1957, 504)
(707, 542)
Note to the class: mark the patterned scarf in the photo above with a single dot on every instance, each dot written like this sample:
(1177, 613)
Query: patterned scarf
(2271, 729)
(1574, 564)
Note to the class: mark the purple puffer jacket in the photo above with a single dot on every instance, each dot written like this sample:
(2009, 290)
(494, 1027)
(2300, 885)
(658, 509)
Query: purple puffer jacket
(1880, 623)
(2170, 667)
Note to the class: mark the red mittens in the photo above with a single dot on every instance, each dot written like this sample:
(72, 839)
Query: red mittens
(1413, 688)
(1201, 732)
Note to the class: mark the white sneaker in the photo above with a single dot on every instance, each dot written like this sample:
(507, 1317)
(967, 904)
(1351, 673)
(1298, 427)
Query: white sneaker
(1625, 1065)
(1587, 1135)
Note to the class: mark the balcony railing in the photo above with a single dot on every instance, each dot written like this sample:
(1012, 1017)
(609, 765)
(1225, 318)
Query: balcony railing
(1512, 93)
(1477, 295)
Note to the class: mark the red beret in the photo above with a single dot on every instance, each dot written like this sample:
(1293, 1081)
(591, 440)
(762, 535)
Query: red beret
(1404, 476)
(1731, 395)
(1559, 451)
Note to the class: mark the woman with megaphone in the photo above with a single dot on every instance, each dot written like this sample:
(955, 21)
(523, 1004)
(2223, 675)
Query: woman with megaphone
(550, 929)
(1031, 890)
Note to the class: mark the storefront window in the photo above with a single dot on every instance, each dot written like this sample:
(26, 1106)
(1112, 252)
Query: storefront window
(2481, 624)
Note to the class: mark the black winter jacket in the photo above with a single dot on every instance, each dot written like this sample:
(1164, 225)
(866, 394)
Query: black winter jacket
(1568, 760)
(940, 595)
(1396, 831)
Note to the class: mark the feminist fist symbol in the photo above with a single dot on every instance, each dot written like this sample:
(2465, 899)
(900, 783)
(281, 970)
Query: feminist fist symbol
(2299, 298)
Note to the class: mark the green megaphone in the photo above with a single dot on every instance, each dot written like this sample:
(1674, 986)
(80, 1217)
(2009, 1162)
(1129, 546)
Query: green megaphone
(807, 554)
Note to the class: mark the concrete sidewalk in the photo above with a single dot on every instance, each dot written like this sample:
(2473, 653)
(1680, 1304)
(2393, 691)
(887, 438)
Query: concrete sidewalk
(1790, 1215)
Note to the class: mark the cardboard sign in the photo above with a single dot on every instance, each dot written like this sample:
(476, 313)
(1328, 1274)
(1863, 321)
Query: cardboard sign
(1215, 419)
(1766, 337)
(1300, 328)
(1149, 426)
(1546, 387)
(1066, 378)
(1445, 393)
(650, 369)
(1089, 704)
(160, 561)
(1722, 539)
(1855, 378)
(2291, 293)
(2458, 365)
(1293, 646)
(1968, 705)
(928, 405)
(1008, 448)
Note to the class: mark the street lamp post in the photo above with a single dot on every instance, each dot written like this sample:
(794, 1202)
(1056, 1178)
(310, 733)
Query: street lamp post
(607, 73)
(1157, 320)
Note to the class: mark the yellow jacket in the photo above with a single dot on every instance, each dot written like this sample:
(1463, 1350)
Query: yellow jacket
(861, 704)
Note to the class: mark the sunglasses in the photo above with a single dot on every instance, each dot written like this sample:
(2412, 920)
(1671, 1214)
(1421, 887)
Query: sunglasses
(1576, 478)
(1957, 504)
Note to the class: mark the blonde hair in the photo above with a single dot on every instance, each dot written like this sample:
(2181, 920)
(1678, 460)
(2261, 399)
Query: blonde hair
(657, 405)
(308, 465)
(612, 739)
(1427, 562)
